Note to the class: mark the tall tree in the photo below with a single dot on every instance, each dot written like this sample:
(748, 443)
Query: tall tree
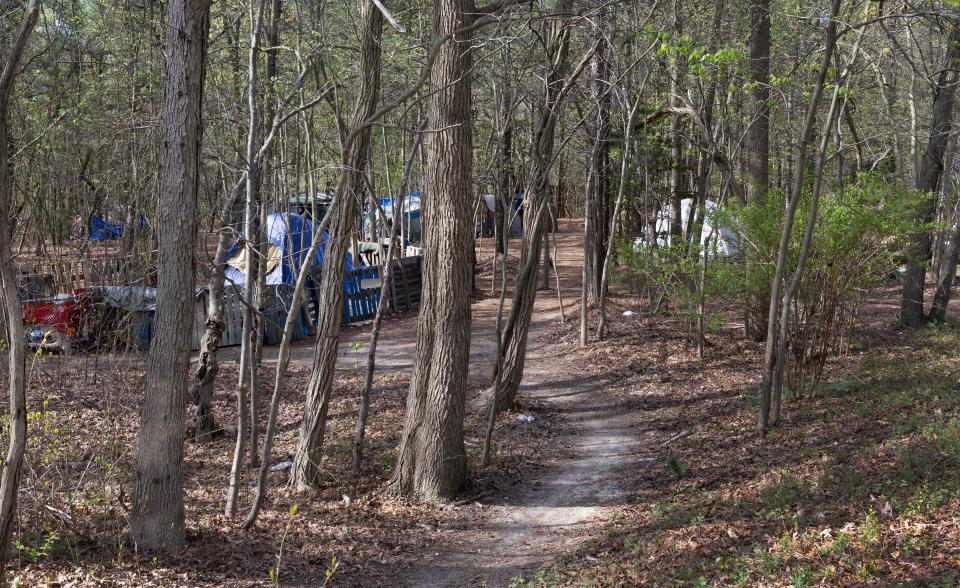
(757, 145)
(351, 188)
(513, 344)
(12, 310)
(598, 188)
(927, 181)
(157, 516)
(432, 463)
(803, 145)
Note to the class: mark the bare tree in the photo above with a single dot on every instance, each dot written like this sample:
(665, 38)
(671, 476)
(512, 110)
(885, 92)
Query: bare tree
(927, 180)
(806, 136)
(246, 387)
(392, 250)
(157, 516)
(306, 463)
(432, 463)
(513, 344)
(12, 310)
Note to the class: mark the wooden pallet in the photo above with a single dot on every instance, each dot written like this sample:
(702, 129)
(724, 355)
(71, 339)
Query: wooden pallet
(405, 283)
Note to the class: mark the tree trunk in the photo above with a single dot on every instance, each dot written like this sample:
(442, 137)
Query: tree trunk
(676, 138)
(504, 198)
(251, 234)
(205, 374)
(513, 346)
(392, 252)
(946, 269)
(157, 516)
(758, 132)
(806, 135)
(599, 187)
(306, 463)
(605, 274)
(12, 309)
(432, 461)
(794, 283)
(927, 181)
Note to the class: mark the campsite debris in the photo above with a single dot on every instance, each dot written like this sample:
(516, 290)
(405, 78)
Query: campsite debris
(628, 313)
(283, 465)
(524, 418)
(677, 437)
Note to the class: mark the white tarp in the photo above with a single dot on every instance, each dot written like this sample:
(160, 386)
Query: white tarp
(724, 240)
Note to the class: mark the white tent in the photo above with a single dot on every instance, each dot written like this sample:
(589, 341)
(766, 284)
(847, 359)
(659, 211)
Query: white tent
(724, 240)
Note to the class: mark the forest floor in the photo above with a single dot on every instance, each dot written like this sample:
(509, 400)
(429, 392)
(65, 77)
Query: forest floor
(641, 466)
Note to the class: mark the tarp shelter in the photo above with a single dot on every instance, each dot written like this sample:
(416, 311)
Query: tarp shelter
(289, 236)
(409, 205)
(489, 216)
(725, 240)
(103, 230)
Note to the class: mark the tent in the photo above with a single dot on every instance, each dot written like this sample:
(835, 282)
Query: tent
(489, 216)
(725, 241)
(410, 206)
(103, 230)
(289, 236)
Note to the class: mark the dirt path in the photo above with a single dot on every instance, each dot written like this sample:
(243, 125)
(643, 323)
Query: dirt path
(529, 526)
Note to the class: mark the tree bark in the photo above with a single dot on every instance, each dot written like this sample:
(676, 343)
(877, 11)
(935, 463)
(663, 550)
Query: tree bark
(947, 267)
(927, 181)
(758, 132)
(599, 188)
(12, 309)
(306, 463)
(757, 146)
(157, 516)
(205, 373)
(432, 460)
(513, 344)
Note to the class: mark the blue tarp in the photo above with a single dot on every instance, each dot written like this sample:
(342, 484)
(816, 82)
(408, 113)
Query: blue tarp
(410, 212)
(103, 230)
(290, 236)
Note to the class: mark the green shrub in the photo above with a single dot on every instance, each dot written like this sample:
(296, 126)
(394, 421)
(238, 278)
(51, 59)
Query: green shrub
(855, 247)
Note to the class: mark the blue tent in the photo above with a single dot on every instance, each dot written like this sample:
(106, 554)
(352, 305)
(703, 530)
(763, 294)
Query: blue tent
(103, 230)
(289, 236)
(409, 205)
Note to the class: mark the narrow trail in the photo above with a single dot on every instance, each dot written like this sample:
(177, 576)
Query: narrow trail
(552, 514)
(531, 525)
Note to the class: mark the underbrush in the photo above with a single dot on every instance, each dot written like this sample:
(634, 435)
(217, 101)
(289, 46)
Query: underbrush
(860, 483)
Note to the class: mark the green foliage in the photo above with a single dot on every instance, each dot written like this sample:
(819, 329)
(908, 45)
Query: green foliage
(871, 530)
(275, 571)
(676, 465)
(40, 549)
(676, 275)
(932, 456)
(787, 493)
(856, 241)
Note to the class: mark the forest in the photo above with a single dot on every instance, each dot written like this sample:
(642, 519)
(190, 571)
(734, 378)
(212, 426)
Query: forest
(479, 293)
